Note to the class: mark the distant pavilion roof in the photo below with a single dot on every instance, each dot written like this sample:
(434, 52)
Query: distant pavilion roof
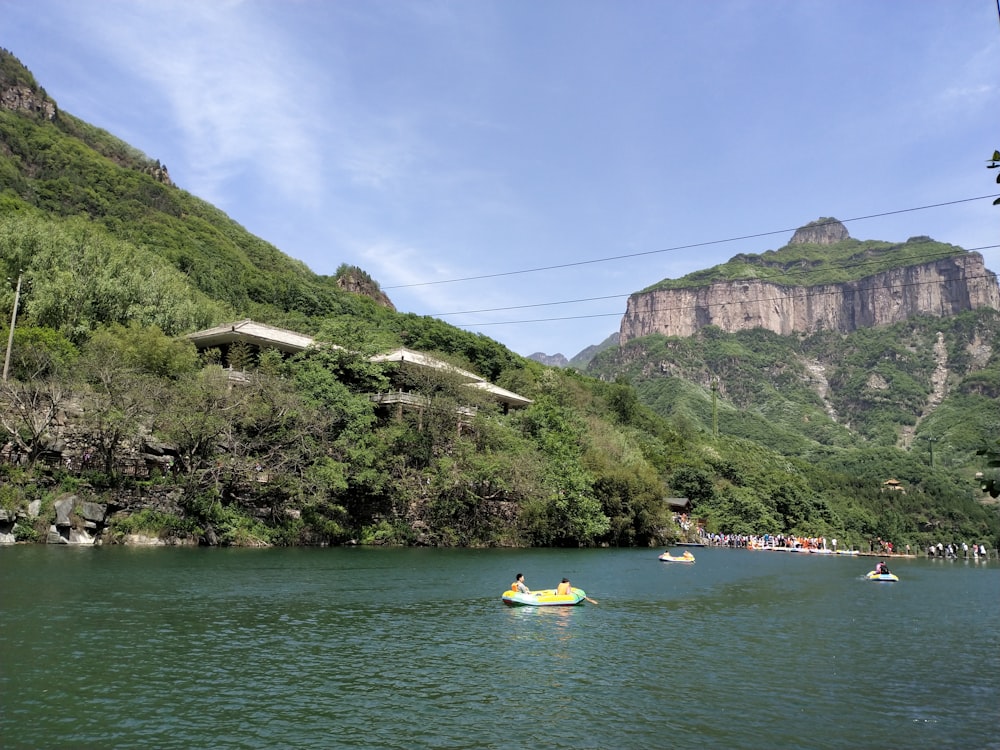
(404, 356)
(502, 394)
(253, 333)
(409, 356)
(263, 335)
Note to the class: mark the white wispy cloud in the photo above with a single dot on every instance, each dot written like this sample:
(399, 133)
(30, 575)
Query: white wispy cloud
(404, 270)
(398, 264)
(233, 86)
(379, 153)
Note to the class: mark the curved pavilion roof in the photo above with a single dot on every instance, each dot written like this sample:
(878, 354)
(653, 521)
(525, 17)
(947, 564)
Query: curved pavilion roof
(251, 332)
(290, 342)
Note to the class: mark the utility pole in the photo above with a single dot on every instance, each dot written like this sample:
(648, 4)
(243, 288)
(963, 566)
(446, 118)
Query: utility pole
(930, 441)
(715, 408)
(13, 321)
(930, 446)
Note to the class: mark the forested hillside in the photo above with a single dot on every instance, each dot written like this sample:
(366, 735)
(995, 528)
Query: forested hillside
(914, 402)
(108, 405)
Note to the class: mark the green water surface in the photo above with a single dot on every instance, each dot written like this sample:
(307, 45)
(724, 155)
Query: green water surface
(117, 647)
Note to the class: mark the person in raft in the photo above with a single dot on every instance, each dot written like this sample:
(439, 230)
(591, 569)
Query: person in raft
(563, 588)
(881, 568)
(519, 585)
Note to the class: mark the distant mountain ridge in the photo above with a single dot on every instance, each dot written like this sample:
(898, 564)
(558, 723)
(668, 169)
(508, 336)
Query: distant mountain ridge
(821, 280)
(581, 359)
(552, 360)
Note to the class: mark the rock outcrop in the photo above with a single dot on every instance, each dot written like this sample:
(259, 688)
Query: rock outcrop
(26, 99)
(825, 231)
(77, 521)
(356, 281)
(159, 173)
(942, 287)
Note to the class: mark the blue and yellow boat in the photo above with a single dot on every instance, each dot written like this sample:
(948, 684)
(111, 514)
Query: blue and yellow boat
(888, 577)
(544, 598)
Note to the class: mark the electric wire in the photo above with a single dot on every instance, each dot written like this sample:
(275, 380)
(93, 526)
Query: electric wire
(763, 278)
(707, 243)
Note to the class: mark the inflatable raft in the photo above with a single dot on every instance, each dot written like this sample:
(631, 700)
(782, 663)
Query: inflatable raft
(544, 598)
(876, 576)
(687, 557)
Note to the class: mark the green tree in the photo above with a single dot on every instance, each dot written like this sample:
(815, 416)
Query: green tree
(198, 410)
(569, 513)
(117, 396)
(29, 411)
(39, 353)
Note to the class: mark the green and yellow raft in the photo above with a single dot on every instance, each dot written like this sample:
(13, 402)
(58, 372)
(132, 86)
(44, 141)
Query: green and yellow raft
(544, 598)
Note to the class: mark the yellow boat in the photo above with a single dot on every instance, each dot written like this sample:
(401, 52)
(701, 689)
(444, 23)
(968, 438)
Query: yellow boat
(687, 557)
(544, 598)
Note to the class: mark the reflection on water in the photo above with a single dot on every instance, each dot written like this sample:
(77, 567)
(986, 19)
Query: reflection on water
(413, 648)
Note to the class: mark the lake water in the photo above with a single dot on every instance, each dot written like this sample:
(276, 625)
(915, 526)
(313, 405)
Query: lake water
(116, 647)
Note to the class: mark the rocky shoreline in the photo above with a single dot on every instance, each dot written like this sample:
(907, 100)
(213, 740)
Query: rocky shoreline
(77, 520)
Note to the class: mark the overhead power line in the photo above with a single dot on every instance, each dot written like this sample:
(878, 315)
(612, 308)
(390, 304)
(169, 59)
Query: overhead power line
(846, 266)
(680, 247)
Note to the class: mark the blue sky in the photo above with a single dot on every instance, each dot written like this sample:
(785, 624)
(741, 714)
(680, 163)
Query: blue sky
(471, 141)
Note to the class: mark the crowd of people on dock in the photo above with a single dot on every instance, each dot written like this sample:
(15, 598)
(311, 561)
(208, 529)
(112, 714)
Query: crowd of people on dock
(881, 547)
(952, 551)
(767, 541)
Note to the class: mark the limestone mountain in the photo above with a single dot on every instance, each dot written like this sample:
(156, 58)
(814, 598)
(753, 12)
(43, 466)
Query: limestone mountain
(823, 280)
(828, 341)
(20, 94)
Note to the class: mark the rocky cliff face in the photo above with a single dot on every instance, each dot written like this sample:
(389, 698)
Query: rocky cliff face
(25, 99)
(942, 287)
(356, 281)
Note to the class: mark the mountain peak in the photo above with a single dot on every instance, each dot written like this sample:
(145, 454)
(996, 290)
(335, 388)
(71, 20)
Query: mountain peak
(825, 231)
